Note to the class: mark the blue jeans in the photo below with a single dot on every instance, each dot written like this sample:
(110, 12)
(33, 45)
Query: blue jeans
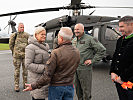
(61, 92)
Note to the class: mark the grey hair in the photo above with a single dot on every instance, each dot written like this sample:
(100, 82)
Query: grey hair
(38, 30)
(66, 33)
(20, 23)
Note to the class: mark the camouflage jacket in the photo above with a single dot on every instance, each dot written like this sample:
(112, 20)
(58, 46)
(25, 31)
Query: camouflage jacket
(18, 46)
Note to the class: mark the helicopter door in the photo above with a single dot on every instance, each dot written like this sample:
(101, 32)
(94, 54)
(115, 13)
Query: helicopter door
(109, 38)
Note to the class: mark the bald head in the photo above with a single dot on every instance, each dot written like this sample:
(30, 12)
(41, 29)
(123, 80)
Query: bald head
(79, 30)
(79, 25)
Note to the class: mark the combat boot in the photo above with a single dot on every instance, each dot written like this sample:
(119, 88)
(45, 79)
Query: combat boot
(16, 89)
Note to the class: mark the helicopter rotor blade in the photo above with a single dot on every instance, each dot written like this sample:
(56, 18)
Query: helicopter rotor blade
(92, 12)
(8, 23)
(75, 2)
(14, 17)
(110, 7)
(33, 11)
(89, 7)
(5, 27)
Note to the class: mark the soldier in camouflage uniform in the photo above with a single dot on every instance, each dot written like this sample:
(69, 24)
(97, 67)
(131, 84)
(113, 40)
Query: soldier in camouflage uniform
(17, 43)
(91, 51)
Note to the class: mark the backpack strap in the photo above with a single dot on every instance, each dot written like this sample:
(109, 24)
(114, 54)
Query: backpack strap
(14, 40)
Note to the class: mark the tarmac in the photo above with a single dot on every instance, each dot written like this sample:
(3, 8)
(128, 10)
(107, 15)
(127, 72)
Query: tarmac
(102, 86)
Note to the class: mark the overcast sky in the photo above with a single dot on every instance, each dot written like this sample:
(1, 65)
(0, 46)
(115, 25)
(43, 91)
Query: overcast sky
(30, 20)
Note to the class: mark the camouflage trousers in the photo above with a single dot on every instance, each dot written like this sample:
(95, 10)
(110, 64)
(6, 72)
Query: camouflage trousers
(83, 84)
(17, 64)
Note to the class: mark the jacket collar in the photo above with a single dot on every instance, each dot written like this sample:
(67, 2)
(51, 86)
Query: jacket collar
(129, 36)
(66, 43)
(81, 37)
(34, 41)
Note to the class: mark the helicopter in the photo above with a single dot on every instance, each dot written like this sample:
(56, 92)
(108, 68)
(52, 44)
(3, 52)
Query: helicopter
(103, 28)
(4, 36)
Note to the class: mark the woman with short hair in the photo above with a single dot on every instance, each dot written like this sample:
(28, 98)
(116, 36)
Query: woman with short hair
(36, 55)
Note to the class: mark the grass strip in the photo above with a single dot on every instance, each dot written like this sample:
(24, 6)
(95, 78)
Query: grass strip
(4, 46)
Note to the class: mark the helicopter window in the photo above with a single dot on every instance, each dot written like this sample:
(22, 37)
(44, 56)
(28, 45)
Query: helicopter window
(88, 32)
(95, 33)
(50, 36)
(49, 39)
(112, 33)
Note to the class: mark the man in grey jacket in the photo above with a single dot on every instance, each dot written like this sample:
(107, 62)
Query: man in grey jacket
(60, 69)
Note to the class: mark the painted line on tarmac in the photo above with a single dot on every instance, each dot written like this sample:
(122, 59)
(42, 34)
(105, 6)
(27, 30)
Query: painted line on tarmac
(5, 52)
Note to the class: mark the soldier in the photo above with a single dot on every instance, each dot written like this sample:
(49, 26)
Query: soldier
(17, 43)
(91, 51)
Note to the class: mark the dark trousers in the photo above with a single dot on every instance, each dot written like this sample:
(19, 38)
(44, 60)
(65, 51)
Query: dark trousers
(37, 99)
(83, 84)
(124, 94)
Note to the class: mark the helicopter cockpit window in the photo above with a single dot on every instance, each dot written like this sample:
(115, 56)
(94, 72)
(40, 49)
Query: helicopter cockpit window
(49, 39)
(112, 32)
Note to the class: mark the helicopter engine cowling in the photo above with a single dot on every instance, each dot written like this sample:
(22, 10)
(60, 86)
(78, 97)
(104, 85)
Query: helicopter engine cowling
(60, 22)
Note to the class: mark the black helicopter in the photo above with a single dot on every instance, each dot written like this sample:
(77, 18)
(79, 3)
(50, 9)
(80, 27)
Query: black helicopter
(103, 28)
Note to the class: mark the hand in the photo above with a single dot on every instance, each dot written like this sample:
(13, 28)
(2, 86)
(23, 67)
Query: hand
(118, 80)
(29, 88)
(114, 76)
(87, 62)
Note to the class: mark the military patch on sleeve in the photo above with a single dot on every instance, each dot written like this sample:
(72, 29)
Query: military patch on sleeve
(95, 39)
(82, 42)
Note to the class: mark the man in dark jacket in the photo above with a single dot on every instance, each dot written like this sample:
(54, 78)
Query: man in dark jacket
(122, 63)
(60, 69)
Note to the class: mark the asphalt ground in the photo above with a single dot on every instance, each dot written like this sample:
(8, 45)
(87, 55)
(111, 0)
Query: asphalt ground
(102, 87)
